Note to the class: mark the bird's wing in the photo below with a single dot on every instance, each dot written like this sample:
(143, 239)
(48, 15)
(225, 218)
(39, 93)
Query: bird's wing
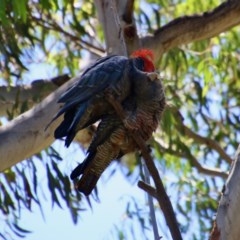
(104, 73)
(96, 78)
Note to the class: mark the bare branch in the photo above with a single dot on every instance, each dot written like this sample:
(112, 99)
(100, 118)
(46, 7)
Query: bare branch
(211, 143)
(193, 28)
(13, 98)
(148, 188)
(150, 202)
(193, 161)
(113, 30)
(207, 141)
(118, 26)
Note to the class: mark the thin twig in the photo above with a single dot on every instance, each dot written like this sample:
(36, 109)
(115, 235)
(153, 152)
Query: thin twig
(211, 143)
(193, 161)
(207, 141)
(150, 202)
(147, 188)
(82, 43)
(162, 196)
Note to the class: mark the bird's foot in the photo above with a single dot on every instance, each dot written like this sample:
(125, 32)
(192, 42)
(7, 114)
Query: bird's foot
(130, 124)
(153, 76)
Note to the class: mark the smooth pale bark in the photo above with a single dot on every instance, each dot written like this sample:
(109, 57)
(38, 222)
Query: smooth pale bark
(13, 98)
(227, 221)
(26, 135)
(111, 24)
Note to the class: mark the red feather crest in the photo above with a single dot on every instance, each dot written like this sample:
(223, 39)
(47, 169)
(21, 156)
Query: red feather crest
(147, 56)
(143, 53)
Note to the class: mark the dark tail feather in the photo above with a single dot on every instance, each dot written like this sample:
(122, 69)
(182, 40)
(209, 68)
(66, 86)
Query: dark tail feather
(63, 128)
(67, 108)
(88, 180)
(69, 124)
(77, 171)
(87, 183)
(82, 166)
(70, 136)
(62, 131)
(74, 124)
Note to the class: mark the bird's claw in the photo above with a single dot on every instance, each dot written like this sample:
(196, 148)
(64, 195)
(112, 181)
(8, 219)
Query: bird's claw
(153, 76)
(130, 124)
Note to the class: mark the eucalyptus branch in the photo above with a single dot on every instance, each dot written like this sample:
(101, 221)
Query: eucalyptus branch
(193, 161)
(82, 43)
(148, 188)
(28, 129)
(211, 143)
(188, 29)
(150, 203)
(225, 227)
(118, 26)
(13, 99)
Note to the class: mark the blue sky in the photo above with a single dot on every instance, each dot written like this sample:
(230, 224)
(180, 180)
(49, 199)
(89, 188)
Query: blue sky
(97, 223)
(93, 224)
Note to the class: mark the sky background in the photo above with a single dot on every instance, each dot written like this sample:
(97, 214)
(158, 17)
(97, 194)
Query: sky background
(93, 224)
(115, 192)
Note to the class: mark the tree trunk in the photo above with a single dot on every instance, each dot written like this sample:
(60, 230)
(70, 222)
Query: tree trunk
(226, 225)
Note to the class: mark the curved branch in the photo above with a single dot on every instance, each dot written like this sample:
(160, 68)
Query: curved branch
(211, 143)
(13, 98)
(193, 28)
(193, 161)
(207, 141)
(147, 188)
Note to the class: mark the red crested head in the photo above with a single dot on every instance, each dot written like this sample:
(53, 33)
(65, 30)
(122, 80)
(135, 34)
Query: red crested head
(147, 56)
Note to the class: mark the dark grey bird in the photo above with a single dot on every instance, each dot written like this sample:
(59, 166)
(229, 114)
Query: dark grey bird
(132, 82)
(85, 103)
(112, 139)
